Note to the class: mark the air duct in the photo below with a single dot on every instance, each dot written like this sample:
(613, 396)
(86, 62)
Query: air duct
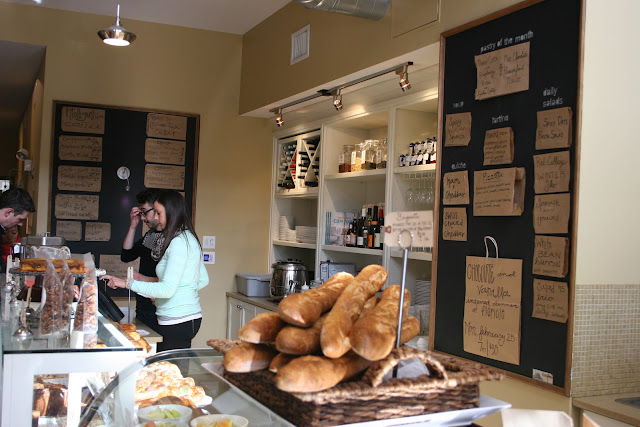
(369, 9)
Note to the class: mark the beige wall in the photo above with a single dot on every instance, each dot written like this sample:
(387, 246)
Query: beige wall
(173, 69)
(339, 45)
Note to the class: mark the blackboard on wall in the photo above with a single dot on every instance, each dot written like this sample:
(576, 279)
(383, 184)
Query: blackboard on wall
(553, 31)
(89, 201)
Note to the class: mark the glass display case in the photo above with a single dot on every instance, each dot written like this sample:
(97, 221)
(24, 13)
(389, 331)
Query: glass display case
(116, 404)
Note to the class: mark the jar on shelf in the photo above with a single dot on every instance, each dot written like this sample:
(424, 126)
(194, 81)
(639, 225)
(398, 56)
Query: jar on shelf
(372, 148)
(381, 154)
(344, 159)
(358, 157)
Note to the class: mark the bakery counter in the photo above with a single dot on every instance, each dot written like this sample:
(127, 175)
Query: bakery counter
(609, 406)
(262, 302)
(201, 387)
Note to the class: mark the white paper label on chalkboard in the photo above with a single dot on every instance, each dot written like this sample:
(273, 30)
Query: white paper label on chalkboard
(551, 213)
(79, 178)
(165, 151)
(503, 71)
(454, 224)
(554, 128)
(77, 206)
(70, 230)
(552, 172)
(550, 300)
(498, 147)
(164, 176)
(551, 256)
(418, 223)
(80, 148)
(455, 188)
(458, 130)
(166, 126)
(97, 232)
(82, 120)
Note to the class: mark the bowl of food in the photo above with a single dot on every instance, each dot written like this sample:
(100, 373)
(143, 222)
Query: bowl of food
(168, 413)
(220, 420)
(162, 424)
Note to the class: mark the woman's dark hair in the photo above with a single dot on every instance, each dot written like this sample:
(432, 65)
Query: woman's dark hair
(178, 217)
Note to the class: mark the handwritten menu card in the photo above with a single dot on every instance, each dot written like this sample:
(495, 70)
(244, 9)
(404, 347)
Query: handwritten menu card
(70, 230)
(80, 148)
(164, 176)
(554, 128)
(550, 300)
(79, 178)
(418, 223)
(77, 206)
(165, 151)
(97, 232)
(455, 188)
(458, 130)
(492, 308)
(454, 224)
(551, 256)
(115, 267)
(166, 126)
(498, 146)
(502, 71)
(552, 172)
(551, 213)
(498, 192)
(83, 120)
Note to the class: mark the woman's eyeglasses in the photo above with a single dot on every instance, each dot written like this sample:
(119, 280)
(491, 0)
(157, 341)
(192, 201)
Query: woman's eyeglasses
(144, 213)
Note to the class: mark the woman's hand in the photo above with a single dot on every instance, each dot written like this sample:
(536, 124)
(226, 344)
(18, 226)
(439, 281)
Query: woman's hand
(114, 282)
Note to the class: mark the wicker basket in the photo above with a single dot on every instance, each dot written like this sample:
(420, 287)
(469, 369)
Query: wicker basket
(453, 385)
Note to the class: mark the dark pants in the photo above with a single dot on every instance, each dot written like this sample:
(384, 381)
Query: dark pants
(178, 336)
(149, 318)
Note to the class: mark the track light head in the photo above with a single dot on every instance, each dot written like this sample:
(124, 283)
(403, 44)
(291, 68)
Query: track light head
(337, 100)
(117, 35)
(279, 119)
(404, 82)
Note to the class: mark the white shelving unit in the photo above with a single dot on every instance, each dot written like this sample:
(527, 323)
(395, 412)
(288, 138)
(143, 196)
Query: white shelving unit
(401, 121)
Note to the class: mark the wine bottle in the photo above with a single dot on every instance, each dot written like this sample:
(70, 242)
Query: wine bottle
(363, 231)
(375, 229)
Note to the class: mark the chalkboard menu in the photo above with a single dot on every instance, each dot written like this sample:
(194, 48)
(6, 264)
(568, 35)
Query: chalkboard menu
(91, 193)
(504, 255)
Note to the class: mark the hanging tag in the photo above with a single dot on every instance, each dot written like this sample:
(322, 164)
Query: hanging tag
(418, 223)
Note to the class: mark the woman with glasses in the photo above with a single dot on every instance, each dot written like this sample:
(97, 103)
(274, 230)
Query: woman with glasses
(181, 273)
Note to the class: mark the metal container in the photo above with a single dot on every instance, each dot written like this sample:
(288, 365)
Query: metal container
(288, 277)
(36, 246)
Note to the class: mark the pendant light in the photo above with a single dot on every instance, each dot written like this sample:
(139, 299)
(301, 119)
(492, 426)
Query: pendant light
(117, 35)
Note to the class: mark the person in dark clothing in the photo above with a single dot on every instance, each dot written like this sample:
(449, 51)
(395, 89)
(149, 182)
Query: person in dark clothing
(15, 207)
(145, 308)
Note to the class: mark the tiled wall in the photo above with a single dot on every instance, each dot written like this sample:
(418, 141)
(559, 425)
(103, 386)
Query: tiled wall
(606, 340)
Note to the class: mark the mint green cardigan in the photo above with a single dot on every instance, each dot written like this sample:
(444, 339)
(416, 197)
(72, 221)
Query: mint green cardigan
(181, 274)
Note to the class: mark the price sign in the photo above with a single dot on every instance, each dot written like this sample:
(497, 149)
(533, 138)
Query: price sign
(418, 223)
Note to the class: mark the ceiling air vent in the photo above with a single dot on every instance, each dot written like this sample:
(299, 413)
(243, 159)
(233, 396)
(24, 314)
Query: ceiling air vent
(300, 44)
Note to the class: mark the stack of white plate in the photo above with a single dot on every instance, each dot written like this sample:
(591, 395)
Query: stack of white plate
(285, 228)
(423, 292)
(291, 235)
(306, 234)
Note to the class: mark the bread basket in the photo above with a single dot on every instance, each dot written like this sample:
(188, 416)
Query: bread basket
(452, 385)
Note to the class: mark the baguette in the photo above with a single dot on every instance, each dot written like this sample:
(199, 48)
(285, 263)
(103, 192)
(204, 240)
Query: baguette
(279, 361)
(248, 357)
(261, 329)
(308, 374)
(303, 309)
(299, 341)
(374, 335)
(334, 337)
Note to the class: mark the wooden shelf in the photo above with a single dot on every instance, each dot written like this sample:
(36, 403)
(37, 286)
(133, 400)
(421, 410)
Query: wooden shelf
(360, 176)
(351, 250)
(294, 244)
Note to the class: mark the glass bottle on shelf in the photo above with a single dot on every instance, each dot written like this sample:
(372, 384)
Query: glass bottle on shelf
(381, 224)
(363, 231)
(372, 148)
(358, 156)
(344, 160)
(381, 154)
(374, 231)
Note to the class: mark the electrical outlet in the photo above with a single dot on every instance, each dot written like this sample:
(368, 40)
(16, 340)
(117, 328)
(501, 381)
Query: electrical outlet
(209, 257)
(209, 242)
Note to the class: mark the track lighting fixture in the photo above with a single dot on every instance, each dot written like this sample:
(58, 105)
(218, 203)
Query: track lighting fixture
(337, 100)
(279, 119)
(117, 35)
(404, 82)
(335, 92)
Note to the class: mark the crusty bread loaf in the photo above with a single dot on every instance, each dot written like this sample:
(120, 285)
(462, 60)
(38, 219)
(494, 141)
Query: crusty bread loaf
(298, 341)
(334, 337)
(370, 304)
(40, 265)
(248, 357)
(279, 361)
(307, 374)
(374, 335)
(303, 309)
(261, 329)
(410, 329)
